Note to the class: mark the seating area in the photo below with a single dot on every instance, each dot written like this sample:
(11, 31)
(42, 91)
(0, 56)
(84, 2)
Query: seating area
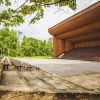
(19, 65)
(1, 57)
(30, 67)
(1, 68)
(5, 64)
(83, 53)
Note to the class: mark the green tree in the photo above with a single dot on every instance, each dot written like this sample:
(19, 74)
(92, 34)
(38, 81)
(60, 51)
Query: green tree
(10, 45)
(13, 17)
(34, 47)
(8, 41)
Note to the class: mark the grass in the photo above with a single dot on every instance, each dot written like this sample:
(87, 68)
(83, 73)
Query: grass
(35, 57)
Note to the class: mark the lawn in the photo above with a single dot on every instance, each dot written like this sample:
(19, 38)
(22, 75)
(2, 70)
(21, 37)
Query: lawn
(36, 57)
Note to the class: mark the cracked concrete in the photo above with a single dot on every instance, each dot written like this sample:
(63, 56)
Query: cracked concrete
(17, 82)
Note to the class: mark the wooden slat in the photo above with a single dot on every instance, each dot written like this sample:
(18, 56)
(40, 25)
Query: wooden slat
(87, 37)
(80, 31)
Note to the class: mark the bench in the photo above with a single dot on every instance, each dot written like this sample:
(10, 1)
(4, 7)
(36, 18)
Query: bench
(17, 64)
(30, 67)
(5, 64)
(1, 70)
(37, 69)
(27, 66)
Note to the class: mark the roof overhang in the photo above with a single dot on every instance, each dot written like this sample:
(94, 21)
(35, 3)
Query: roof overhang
(84, 22)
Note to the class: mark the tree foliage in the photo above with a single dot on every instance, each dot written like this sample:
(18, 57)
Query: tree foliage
(34, 47)
(15, 16)
(8, 42)
(11, 46)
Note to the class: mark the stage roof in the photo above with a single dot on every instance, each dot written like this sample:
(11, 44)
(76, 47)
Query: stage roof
(86, 22)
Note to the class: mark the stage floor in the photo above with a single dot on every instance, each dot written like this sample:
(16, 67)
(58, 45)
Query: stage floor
(64, 67)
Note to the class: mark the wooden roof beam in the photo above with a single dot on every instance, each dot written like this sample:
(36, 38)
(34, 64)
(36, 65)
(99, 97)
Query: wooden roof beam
(88, 37)
(87, 16)
(80, 31)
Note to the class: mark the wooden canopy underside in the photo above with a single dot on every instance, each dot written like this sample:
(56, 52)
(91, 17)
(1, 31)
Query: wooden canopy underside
(80, 27)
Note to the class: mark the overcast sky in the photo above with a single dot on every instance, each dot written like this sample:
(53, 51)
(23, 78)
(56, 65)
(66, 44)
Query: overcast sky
(51, 17)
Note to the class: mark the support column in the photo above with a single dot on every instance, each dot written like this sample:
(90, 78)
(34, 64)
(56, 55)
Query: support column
(68, 45)
(55, 47)
(60, 46)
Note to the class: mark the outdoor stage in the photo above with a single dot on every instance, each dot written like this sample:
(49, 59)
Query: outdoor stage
(56, 78)
(84, 73)
(64, 67)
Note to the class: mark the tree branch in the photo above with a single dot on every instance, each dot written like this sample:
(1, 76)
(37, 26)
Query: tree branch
(42, 4)
(21, 5)
(59, 9)
(52, 3)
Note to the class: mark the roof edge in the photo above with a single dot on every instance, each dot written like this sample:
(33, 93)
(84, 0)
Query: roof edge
(75, 15)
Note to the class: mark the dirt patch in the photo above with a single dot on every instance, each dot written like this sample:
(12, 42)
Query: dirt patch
(47, 96)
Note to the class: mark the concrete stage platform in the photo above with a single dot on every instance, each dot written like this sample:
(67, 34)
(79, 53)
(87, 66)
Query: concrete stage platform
(83, 73)
(41, 85)
(63, 67)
